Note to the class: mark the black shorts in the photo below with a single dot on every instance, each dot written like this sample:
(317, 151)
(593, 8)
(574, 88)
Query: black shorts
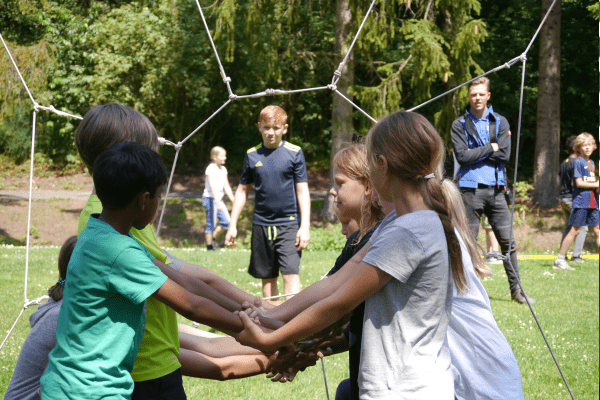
(274, 249)
(169, 387)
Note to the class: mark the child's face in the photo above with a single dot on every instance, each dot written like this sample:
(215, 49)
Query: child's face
(272, 131)
(587, 148)
(349, 195)
(349, 226)
(220, 158)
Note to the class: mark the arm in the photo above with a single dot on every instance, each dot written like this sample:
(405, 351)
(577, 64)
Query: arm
(217, 347)
(465, 155)
(581, 184)
(363, 281)
(228, 190)
(303, 235)
(317, 291)
(241, 195)
(199, 365)
(197, 308)
(502, 153)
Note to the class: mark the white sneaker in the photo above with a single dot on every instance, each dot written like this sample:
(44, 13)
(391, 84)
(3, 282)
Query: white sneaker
(561, 263)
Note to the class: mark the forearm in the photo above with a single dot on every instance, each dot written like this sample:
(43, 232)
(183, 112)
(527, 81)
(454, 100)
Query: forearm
(233, 367)
(303, 195)
(296, 304)
(581, 184)
(228, 191)
(241, 194)
(217, 347)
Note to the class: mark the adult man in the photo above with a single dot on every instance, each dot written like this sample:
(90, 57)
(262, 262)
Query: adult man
(281, 222)
(481, 140)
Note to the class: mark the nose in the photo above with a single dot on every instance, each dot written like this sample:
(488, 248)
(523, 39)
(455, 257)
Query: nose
(333, 192)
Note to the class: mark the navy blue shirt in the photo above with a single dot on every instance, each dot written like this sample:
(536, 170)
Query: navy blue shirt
(274, 173)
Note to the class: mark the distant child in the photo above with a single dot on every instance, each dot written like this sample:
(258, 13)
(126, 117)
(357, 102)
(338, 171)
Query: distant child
(585, 197)
(216, 186)
(404, 277)
(281, 223)
(566, 198)
(102, 320)
(33, 358)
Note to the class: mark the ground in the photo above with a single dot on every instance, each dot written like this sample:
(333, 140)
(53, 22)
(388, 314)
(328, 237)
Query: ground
(54, 220)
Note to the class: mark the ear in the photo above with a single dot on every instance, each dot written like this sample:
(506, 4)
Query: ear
(143, 200)
(285, 128)
(382, 164)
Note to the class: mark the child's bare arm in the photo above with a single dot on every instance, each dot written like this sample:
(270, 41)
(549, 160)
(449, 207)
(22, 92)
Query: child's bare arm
(197, 308)
(363, 281)
(199, 365)
(315, 292)
(228, 190)
(303, 236)
(241, 195)
(581, 184)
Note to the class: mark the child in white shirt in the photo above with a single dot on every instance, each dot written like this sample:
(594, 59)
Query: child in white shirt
(217, 185)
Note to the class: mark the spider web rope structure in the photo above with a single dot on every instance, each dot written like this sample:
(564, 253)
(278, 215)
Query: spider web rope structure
(273, 92)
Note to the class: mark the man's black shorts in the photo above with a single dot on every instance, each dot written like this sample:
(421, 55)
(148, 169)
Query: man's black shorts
(274, 249)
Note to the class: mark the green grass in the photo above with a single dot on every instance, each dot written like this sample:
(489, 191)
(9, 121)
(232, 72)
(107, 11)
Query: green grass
(567, 307)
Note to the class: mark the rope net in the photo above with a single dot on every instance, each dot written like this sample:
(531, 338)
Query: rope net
(277, 92)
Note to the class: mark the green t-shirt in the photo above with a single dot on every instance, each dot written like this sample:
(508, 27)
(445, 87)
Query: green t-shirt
(159, 350)
(101, 321)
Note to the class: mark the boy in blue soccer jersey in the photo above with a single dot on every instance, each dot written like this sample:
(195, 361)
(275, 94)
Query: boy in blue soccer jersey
(585, 197)
(281, 222)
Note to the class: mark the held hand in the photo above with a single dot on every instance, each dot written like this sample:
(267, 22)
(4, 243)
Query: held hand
(230, 236)
(495, 146)
(252, 335)
(302, 238)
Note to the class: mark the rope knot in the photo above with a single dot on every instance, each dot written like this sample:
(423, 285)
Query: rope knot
(162, 141)
(232, 96)
(178, 146)
(337, 73)
(332, 87)
(227, 79)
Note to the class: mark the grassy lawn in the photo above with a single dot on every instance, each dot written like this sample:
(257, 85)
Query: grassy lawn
(567, 307)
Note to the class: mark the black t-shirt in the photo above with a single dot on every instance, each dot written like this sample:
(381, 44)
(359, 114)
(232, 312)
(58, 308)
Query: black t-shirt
(566, 177)
(274, 173)
(355, 328)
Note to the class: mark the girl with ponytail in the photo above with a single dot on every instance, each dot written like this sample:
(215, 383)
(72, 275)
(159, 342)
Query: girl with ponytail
(404, 274)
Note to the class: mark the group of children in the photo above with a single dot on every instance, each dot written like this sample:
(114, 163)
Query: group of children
(408, 275)
(579, 195)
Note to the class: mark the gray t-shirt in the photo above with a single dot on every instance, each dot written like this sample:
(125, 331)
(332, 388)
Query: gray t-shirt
(33, 359)
(404, 351)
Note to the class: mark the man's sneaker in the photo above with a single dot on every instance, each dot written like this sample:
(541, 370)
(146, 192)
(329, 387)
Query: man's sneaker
(519, 297)
(561, 263)
(577, 259)
(493, 258)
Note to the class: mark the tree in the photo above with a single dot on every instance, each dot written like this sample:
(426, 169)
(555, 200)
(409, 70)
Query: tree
(547, 143)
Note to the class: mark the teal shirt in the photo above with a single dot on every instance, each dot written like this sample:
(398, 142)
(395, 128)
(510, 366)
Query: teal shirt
(102, 319)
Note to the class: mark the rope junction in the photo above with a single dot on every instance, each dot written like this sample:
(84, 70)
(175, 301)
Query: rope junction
(276, 92)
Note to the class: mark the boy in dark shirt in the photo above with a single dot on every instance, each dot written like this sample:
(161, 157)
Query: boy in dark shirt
(281, 223)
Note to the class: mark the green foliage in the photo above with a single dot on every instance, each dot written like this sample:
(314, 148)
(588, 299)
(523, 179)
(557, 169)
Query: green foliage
(327, 238)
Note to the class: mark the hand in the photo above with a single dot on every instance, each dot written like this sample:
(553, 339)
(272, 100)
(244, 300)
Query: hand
(495, 146)
(221, 206)
(230, 236)
(252, 335)
(302, 238)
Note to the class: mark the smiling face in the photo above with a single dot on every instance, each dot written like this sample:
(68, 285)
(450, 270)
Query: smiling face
(220, 158)
(272, 131)
(478, 98)
(349, 195)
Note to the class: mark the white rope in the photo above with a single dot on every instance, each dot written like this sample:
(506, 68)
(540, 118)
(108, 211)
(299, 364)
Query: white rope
(28, 234)
(279, 295)
(17, 69)
(355, 106)
(162, 213)
(36, 302)
(55, 111)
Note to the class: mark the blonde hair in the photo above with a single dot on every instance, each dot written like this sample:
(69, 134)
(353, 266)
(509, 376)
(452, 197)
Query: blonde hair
(580, 141)
(413, 149)
(481, 81)
(459, 219)
(275, 112)
(215, 151)
(352, 162)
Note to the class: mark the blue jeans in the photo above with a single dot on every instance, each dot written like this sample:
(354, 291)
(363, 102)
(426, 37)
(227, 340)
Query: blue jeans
(491, 201)
(213, 215)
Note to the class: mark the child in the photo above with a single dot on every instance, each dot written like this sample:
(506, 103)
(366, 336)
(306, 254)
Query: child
(585, 198)
(215, 188)
(101, 322)
(404, 275)
(566, 198)
(33, 358)
(157, 369)
(278, 171)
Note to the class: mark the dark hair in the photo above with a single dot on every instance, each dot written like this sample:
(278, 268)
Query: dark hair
(126, 170)
(64, 256)
(571, 144)
(414, 149)
(108, 124)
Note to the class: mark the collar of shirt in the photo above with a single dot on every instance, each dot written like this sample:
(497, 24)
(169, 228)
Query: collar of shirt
(486, 115)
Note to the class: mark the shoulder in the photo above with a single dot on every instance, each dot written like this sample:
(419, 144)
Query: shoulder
(254, 149)
(292, 147)
(457, 125)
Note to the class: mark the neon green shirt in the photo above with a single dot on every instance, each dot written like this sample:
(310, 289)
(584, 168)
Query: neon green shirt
(159, 350)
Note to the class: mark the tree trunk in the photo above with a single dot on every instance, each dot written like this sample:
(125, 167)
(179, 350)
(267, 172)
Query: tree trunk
(341, 130)
(547, 142)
